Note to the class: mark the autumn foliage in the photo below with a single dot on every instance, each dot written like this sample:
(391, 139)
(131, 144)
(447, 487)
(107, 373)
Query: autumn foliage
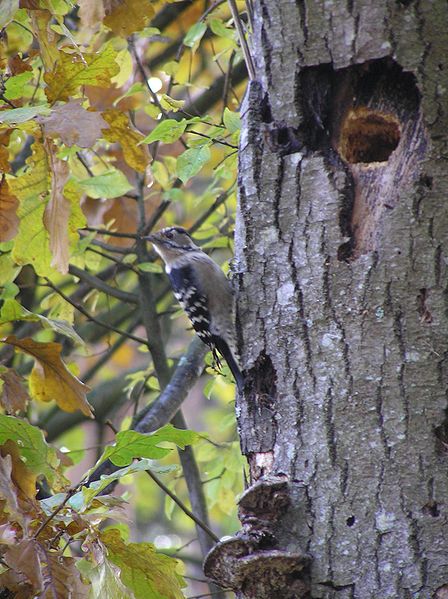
(116, 117)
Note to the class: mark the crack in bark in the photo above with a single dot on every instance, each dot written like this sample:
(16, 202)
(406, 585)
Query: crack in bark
(278, 185)
(304, 330)
(329, 424)
(379, 410)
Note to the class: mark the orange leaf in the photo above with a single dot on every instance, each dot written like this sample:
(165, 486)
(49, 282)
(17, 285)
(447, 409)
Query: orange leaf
(8, 494)
(24, 558)
(21, 476)
(57, 212)
(50, 378)
(14, 397)
(9, 221)
(5, 166)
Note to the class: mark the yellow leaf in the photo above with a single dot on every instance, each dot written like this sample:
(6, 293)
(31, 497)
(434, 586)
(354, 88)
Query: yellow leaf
(9, 221)
(40, 20)
(73, 70)
(35, 180)
(31, 244)
(57, 212)
(50, 378)
(121, 131)
(127, 16)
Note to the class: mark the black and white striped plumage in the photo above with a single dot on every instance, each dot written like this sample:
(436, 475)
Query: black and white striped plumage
(203, 291)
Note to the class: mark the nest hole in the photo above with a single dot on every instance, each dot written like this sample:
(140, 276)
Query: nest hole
(368, 136)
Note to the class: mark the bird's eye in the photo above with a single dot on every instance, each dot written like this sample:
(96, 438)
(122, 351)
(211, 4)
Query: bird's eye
(169, 234)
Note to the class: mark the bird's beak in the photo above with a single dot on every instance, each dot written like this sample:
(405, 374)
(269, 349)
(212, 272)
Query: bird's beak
(152, 238)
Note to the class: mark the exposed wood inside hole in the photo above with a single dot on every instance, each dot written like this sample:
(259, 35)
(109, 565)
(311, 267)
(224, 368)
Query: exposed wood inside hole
(368, 135)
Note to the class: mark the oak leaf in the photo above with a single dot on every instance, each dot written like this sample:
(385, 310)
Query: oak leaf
(24, 558)
(14, 397)
(73, 124)
(127, 16)
(57, 212)
(41, 22)
(9, 221)
(22, 476)
(50, 378)
(5, 166)
(120, 131)
(62, 578)
(144, 571)
(91, 13)
(72, 71)
(8, 493)
(38, 456)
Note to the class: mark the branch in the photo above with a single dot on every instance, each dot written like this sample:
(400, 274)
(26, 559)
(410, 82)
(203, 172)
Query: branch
(183, 507)
(100, 285)
(242, 37)
(187, 372)
(202, 104)
(92, 318)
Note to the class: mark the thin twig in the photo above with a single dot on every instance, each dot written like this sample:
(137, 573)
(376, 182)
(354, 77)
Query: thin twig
(243, 42)
(111, 233)
(36, 86)
(92, 318)
(182, 506)
(113, 259)
(56, 511)
(83, 161)
(214, 139)
(110, 248)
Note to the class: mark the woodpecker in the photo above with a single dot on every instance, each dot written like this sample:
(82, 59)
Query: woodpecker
(203, 291)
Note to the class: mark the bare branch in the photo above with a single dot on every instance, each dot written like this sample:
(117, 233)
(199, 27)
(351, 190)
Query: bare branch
(100, 285)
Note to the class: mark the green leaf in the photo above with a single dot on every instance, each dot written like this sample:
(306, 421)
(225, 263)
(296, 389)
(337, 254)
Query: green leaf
(10, 290)
(194, 34)
(8, 268)
(104, 578)
(191, 161)
(12, 311)
(219, 29)
(15, 116)
(108, 185)
(38, 456)
(148, 574)
(9, 8)
(167, 131)
(131, 444)
(14, 86)
(169, 103)
(150, 267)
(232, 120)
(136, 88)
(152, 110)
(84, 498)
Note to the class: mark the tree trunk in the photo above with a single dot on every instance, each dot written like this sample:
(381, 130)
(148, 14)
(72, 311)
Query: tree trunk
(341, 267)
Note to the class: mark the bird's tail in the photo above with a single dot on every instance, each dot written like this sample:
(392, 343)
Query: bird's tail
(227, 354)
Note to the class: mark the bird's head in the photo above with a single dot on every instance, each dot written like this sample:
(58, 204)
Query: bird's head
(172, 242)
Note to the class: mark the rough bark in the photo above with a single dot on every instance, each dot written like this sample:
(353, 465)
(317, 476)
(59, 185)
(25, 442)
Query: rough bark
(341, 267)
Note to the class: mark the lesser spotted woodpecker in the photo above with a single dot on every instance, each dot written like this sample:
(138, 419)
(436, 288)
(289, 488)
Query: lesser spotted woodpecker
(203, 291)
